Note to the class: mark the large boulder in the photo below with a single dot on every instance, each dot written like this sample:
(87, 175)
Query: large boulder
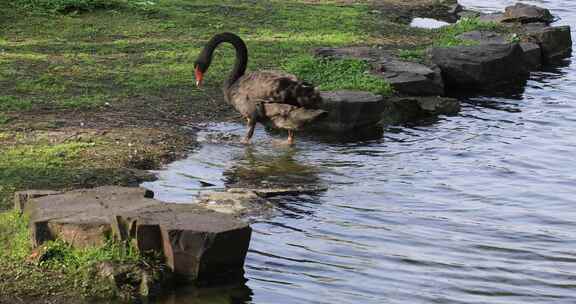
(411, 78)
(196, 242)
(406, 77)
(532, 51)
(556, 41)
(349, 110)
(480, 66)
(526, 13)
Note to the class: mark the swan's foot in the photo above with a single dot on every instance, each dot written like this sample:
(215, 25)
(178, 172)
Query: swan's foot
(245, 141)
(282, 143)
(288, 142)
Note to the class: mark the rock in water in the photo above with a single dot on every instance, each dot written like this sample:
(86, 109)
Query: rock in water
(349, 110)
(555, 41)
(525, 13)
(532, 51)
(532, 55)
(407, 108)
(480, 66)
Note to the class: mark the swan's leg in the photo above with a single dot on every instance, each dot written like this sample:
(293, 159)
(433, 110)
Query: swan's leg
(290, 140)
(251, 123)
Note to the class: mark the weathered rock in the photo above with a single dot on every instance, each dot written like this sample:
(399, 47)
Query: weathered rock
(411, 78)
(480, 66)
(349, 110)
(532, 55)
(492, 17)
(406, 77)
(412, 108)
(22, 197)
(483, 37)
(206, 248)
(197, 242)
(556, 42)
(532, 51)
(525, 13)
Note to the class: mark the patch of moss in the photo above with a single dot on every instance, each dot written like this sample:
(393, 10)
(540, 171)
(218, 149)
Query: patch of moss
(337, 74)
(416, 55)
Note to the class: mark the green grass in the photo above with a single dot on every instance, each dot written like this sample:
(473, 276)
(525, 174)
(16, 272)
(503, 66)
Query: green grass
(83, 55)
(338, 74)
(36, 166)
(447, 36)
(54, 166)
(75, 267)
(4, 119)
(412, 55)
(68, 6)
(48, 61)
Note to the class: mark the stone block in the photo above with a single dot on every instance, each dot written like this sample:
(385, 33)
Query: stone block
(349, 110)
(480, 67)
(526, 13)
(556, 42)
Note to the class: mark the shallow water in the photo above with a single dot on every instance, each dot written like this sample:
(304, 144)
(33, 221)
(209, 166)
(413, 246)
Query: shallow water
(476, 208)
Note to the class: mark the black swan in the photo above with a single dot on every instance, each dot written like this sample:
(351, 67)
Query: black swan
(264, 96)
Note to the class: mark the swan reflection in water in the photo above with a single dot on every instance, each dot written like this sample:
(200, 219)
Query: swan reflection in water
(277, 168)
(231, 294)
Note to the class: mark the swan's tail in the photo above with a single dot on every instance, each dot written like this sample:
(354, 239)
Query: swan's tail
(290, 117)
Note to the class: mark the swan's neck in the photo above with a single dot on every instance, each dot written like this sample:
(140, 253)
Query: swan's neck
(241, 55)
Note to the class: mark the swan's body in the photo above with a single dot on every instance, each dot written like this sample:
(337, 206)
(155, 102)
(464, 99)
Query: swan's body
(263, 96)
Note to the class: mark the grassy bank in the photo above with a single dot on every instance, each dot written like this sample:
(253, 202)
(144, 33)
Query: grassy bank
(94, 91)
(90, 93)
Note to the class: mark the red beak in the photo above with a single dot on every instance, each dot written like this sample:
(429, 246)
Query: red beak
(199, 75)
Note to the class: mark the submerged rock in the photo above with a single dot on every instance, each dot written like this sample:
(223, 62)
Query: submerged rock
(271, 192)
(406, 77)
(409, 108)
(526, 13)
(480, 66)
(238, 202)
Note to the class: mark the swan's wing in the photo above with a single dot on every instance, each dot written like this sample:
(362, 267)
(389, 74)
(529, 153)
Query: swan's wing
(275, 87)
(290, 117)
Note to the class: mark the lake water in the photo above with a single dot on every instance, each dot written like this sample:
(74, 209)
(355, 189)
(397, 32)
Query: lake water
(475, 208)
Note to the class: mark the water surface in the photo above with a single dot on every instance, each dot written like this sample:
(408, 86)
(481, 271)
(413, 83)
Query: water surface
(475, 208)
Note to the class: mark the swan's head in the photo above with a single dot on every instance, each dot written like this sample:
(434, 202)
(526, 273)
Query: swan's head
(200, 68)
